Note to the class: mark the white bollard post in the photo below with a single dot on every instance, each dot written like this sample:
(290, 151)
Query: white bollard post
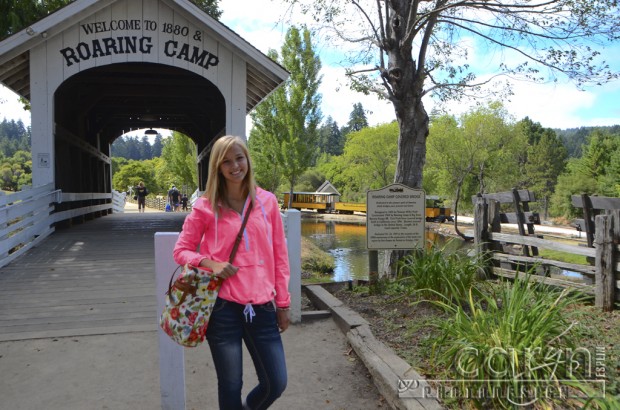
(293, 240)
(171, 355)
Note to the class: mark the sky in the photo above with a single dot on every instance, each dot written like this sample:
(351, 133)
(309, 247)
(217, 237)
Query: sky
(557, 105)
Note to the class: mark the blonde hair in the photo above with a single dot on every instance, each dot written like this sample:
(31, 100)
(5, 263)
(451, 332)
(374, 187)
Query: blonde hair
(216, 184)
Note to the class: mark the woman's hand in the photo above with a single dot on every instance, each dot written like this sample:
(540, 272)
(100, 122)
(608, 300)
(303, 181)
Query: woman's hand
(282, 318)
(223, 270)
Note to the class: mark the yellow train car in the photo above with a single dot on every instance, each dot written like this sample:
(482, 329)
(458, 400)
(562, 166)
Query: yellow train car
(329, 202)
(321, 202)
(436, 212)
(349, 207)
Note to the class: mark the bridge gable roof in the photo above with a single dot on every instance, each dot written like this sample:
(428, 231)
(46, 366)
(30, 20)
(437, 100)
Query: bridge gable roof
(263, 75)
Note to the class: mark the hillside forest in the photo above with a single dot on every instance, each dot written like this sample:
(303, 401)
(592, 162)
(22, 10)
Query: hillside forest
(484, 150)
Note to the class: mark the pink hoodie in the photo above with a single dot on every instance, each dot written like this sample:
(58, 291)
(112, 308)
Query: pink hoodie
(262, 256)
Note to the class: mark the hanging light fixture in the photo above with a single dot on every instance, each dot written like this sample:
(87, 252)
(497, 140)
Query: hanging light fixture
(150, 132)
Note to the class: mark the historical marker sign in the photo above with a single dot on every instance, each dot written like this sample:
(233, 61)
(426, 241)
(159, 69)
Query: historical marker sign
(395, 217)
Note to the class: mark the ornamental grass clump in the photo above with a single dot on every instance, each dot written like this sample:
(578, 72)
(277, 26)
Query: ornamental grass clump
(511, 348)
(434, 273)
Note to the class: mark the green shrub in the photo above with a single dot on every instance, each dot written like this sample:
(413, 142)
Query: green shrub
(434, 273)
(511, 341)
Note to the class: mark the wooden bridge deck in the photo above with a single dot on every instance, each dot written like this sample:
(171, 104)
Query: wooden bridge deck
(93, 278)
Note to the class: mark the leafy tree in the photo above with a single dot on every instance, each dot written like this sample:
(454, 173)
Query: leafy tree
(145, 148)
(571, 182)
(481, 148)
(331, 139)
(546, 160)
(117, 163)
(210, 7)
(179, 156)
(418, 50)
(14, 136)
(596, 172)
(157, 146)
(360, 167)
(262, 145)
(287, 122)
(16, 171)
(310, 181)
(132, 173)
(357, 120)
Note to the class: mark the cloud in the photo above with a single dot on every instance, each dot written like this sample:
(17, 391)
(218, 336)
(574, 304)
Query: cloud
(11, 108)
(338, 100)
(555, 105)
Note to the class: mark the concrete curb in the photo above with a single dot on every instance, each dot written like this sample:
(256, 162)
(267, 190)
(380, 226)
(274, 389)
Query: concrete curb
(387, 369)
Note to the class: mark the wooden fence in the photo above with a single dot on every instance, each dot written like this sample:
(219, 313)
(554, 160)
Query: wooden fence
(508, 256)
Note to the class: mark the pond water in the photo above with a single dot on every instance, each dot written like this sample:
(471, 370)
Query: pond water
(346, 241)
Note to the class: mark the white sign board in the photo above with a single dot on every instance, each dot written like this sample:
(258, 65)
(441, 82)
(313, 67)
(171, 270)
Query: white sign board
(395, 218)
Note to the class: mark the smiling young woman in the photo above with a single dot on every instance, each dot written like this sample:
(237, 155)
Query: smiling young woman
(252, 304)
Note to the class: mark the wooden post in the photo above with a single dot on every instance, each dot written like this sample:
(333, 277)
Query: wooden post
(529, 224)
(481, 232)
(171, 355)
(588, 218)
(520, 219)
(293, 242)
(373, 267)
(605, 285)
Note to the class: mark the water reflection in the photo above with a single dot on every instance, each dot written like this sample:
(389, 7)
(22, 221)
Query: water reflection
(346, 241)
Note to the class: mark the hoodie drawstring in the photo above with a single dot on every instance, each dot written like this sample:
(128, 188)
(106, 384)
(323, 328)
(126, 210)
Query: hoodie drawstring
(249, 312)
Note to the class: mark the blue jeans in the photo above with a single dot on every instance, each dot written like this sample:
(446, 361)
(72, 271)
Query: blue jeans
(227, 327)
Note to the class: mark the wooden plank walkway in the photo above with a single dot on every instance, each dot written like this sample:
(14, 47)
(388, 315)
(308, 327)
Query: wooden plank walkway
(93, 278)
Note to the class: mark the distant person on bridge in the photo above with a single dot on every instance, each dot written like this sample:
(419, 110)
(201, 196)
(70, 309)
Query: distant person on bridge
(141, 193)
(253, 302)
(174, 198)
(184, 200)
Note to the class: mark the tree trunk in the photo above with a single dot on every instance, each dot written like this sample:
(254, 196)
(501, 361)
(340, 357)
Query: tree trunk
(413, 124)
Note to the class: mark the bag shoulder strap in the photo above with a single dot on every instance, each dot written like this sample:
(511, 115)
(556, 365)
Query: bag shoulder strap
(240, 234)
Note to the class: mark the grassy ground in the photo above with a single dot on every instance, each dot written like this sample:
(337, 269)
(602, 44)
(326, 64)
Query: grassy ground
(409, 328)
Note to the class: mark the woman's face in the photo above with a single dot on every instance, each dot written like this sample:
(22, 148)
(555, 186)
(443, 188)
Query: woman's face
(234, 166)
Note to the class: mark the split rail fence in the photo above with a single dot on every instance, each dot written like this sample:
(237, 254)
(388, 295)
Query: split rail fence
(510, 254)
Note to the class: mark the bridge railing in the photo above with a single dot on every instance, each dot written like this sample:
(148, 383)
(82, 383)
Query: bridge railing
(25, 220)
(28, 216)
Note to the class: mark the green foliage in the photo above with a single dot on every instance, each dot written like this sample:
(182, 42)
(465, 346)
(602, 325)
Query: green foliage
(179, 163)
(261, 144)
(433, 273)
(357, 120)
(545, 161)
(132, 173)
(210, 7)
(310, 181)
(14, 136)
(331, 139)
(284, 139)
(570, 183)
(132, 147)
(315, 261)
(368, 162)
(16, 171)
(17, 14)
(516, 337)
(478, 152)
(596, 172)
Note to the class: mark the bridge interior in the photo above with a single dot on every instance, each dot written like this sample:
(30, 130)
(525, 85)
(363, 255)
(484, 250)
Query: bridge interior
(96, 106)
